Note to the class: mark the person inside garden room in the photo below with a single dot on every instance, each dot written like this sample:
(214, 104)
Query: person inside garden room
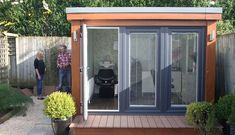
(64, 66)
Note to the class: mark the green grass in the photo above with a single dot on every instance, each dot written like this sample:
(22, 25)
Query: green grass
(11, 98)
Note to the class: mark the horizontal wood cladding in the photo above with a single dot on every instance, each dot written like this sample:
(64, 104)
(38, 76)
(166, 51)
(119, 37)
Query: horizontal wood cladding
(144, 16)
(119, 23)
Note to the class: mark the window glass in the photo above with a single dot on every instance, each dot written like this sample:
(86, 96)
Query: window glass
(142, 60)
(184, 68)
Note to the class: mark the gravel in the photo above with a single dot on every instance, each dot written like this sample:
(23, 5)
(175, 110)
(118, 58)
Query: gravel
(24, 125)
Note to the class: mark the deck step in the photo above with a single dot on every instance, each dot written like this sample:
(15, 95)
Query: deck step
(131, 124)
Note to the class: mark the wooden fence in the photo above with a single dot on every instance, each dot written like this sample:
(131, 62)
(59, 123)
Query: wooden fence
(26, 49)
(3, 60)
(225, 79)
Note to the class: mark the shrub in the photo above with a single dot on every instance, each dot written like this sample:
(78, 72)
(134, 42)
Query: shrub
(59, 105)
(232, 115)
(223, 107)
(201, 116)
(10, 98)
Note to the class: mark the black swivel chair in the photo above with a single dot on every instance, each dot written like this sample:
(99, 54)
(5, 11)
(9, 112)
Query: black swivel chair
(106, 79)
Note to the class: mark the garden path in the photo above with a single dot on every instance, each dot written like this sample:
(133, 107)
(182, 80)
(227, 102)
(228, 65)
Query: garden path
(34, 123)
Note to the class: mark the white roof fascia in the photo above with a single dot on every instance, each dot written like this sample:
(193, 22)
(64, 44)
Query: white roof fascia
(202, 10)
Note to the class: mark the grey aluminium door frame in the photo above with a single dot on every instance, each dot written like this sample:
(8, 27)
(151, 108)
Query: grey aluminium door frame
(124, 93)
(162, 74)
(200, 66)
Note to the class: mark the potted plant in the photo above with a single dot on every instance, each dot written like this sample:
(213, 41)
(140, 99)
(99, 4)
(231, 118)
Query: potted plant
(231, 119)
(201, 116)
(223, 111)
(60, 107)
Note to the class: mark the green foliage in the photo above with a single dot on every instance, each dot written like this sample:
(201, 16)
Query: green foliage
(59, 105)
(201, 115)
(224, 27)
(48, 18)
(51, 62)
(143, 3)
(10, 98)
(223, 107)
(232, 115)
(31, 17)
(228, 10)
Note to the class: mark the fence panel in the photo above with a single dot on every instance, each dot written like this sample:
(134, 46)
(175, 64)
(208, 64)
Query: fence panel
(225, 64)
(3, 60)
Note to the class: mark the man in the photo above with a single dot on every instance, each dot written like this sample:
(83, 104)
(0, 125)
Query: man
(64, 66)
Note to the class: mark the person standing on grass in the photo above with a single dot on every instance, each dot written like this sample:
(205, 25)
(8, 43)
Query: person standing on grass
(64, 66)
(40, 68)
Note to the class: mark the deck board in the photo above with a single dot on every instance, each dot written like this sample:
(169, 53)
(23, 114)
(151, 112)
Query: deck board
(183, 120)
(144, 121)
(96, 121)
(117, 121)
(137, 121)
(131, 125)
(89, 121)
(172, 122)
(158, 121)
(103, 121)
(77, 120)
(179, 122)
(124, 121)
(165, 122)
(110, 121)
(130, 121)
(151, 122)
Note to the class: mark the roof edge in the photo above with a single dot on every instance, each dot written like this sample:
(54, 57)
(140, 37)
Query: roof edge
(199, 10)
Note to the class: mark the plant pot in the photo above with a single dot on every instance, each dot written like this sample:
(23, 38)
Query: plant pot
(232, 130)
(226, 127)
(60, 127)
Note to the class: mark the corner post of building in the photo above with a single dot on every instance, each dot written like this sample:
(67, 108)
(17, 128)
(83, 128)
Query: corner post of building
(210, 64)
(75, 40)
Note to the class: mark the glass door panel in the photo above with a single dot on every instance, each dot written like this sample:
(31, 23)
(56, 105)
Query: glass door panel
(142, 66)
(184, 67)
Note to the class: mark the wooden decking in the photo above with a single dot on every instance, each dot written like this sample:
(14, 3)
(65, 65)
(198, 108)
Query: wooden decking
(131, 125)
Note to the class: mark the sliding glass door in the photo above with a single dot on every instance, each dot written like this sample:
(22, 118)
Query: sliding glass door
(142, 64)
(162, 68)
(185, 77)
(184, 69)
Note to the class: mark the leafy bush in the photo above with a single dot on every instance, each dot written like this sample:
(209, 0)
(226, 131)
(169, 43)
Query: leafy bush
(224, 27)
(201, 116)
(10, 98)
(59, 105)
(223, 107)
(30, 17)
(232, 115)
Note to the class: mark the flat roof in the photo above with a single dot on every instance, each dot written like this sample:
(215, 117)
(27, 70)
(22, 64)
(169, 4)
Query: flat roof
(199, 10)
